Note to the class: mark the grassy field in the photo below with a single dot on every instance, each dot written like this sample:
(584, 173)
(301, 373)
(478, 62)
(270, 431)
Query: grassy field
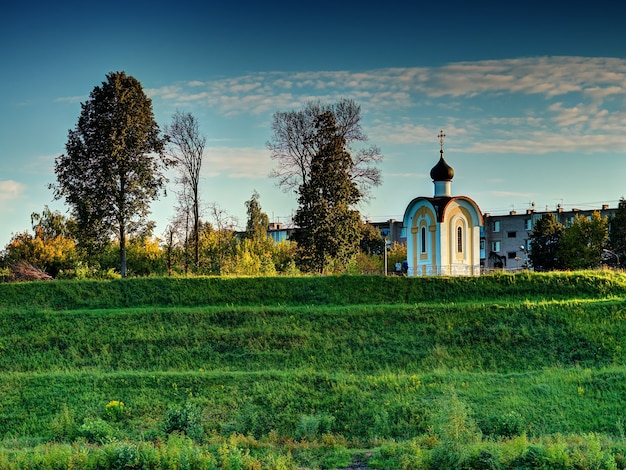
(502, 371)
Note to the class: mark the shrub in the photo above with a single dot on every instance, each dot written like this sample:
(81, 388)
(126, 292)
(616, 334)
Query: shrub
(185, 419)
(64, 426)
(538, 456)
(116, 410)
(313, 426)
(484, 459)
(96, 431)
(453, 421)
(5, 274)
(509, 424)
(248, 419)
(121, 456)
(405, 456)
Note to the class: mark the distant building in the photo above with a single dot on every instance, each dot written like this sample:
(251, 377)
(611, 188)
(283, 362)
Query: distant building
(443, 232)
(505, 241)
(448, 235)
(278, 232)
(392, 230)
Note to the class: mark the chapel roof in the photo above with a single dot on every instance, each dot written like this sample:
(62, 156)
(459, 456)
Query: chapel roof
(442, 171)
(440, 205)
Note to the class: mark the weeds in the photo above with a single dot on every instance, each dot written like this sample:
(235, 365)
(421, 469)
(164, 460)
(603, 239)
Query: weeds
(500, 372)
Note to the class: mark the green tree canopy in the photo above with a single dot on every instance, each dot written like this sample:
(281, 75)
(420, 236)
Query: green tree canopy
(329, 229)
(372, 241)
(583, 242)
(113, 165)
(580, 245)
(258, 221)
(544, 243)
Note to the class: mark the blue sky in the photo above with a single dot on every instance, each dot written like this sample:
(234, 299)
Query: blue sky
(532, 97)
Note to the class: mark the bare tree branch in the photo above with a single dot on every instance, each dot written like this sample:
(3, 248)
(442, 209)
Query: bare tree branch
(294, 143)
(186, 147)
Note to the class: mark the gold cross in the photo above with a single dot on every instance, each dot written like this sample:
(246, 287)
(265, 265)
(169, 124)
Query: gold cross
(441, 136)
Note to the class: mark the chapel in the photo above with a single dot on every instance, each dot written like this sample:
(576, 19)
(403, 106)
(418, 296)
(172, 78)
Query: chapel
(443, 231)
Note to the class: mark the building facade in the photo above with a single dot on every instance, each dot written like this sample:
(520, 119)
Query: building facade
(505, 241)
(443, 232)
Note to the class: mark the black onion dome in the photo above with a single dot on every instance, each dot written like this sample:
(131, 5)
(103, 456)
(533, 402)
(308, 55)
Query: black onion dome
(442, 171)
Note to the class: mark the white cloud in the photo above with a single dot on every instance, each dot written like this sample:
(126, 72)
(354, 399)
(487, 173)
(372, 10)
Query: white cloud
(10, 190)
(540, 143)
(540, 104)
(170, 92)
(237, 162)
(599, 93)
(405, 133)
(70, 99)
(547, 76)
(569, 116)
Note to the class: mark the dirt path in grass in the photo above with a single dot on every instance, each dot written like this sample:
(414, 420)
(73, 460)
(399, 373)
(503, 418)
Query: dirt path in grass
(360, 462)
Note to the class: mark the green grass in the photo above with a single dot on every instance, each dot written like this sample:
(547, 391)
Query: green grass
(482, 337)
(327, 291)
(312, 369)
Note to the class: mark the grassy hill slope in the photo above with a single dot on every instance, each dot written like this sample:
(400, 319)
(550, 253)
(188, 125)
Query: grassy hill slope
(366, 360)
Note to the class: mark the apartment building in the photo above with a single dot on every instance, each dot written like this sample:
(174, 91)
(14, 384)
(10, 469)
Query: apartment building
(504, 243)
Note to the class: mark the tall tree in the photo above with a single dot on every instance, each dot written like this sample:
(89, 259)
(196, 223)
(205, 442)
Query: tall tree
(584, 242)
(255, 250)
(294, 145)
(187, 150)
(114, 162)
(328, 226)
(617, 233)
(544, 243)
(258, 221)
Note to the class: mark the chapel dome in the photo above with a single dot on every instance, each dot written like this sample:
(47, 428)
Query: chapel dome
(442, 171)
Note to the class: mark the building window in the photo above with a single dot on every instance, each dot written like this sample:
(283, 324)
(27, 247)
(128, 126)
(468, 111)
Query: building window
(495, 226)
(511, 255)
(423, 240)
(495, 246)
(511, 234)
(459, 240)
(482, 245)
(528, 224)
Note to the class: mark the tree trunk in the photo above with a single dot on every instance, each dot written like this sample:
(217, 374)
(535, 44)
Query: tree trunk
(169, 252)
(196, 223)
(122, 251)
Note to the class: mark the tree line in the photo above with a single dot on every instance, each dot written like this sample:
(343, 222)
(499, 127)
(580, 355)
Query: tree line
(53, 247)
(115, 165)
(585, 243)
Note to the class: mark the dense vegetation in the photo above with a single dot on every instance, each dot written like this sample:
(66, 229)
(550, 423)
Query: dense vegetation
(503, 371)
